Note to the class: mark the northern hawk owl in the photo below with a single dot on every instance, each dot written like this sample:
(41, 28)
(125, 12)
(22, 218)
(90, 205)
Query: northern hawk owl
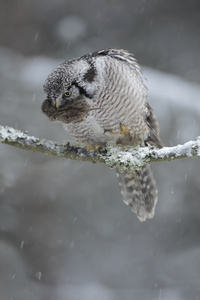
(101, 97)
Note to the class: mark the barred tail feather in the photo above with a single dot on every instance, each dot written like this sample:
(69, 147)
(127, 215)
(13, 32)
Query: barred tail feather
(139, 191)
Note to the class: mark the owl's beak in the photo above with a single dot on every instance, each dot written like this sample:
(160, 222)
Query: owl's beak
(57, 105)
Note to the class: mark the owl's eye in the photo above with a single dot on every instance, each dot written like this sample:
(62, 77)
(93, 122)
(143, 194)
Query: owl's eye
(67, 94)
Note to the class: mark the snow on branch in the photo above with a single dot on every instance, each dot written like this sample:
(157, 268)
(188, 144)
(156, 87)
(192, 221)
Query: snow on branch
(126, 158)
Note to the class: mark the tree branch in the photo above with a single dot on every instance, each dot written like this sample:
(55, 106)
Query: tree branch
(126, 158)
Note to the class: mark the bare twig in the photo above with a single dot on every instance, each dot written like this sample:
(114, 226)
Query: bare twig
(124, 157)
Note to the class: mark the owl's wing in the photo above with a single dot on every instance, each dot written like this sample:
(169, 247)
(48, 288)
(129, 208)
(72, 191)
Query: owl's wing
(122, 55)
(153, 137)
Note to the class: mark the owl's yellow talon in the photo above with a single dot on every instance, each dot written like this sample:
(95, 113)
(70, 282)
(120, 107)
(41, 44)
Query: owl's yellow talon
(111, 132)
(88, 148)
(95, 147)
(123, 131)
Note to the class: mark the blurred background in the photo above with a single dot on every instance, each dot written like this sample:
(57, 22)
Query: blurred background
(65, 233)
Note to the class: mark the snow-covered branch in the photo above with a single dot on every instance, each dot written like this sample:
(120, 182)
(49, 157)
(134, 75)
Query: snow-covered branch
(124, 157)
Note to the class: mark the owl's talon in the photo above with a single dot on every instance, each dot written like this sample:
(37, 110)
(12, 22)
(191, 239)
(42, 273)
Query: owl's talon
(123, 131)
(95, 147)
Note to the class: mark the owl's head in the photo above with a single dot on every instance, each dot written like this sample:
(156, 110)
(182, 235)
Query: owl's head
(71, 81)
(70, 88)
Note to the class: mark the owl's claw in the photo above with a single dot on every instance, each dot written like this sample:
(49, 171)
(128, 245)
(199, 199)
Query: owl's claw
(123, 131)
(93, 147)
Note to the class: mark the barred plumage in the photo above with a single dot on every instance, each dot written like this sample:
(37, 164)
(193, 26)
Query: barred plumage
(102, 97)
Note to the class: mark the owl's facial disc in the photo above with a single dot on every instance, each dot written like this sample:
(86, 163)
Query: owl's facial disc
(70, 105)
(72, 93)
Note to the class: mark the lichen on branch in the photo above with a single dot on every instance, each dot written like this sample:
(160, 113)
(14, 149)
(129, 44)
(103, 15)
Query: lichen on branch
(126, 158)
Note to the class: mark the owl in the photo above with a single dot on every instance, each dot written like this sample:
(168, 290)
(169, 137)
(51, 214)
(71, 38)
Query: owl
(101, 97)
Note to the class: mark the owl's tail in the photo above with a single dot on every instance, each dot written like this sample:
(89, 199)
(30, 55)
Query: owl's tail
(139, 191)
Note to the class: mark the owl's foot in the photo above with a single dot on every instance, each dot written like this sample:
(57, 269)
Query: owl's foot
(123, 131)
(93, 147)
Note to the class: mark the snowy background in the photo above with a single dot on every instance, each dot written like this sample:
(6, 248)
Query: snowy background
(65, 233)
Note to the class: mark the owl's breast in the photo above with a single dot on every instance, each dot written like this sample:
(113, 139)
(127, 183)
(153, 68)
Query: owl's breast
(89, 131)
(92, 132)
